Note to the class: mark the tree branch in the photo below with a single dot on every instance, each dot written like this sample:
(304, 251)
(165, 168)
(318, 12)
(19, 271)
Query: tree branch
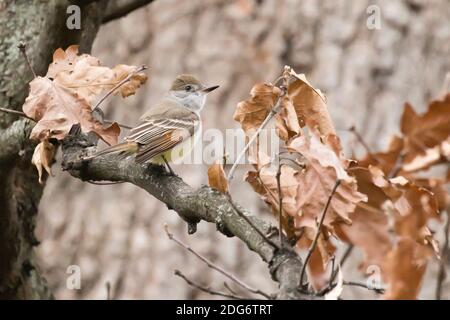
(207, 290)
(118, 11)
(216, 267)
(13, 139)
(191, 205)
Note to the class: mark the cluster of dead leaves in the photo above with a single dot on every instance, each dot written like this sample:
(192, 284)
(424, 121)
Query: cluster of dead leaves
(382, 204)
(65, 96)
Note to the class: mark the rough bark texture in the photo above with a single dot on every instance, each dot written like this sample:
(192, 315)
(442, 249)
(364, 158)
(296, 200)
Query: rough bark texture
(42, 26)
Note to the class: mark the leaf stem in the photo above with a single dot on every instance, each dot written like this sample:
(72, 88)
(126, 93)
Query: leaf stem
(121, 83)
(23, 48)
(214, 266)
(319, 227)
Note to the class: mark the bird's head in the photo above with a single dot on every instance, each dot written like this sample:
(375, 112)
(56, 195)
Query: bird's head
(189, 91)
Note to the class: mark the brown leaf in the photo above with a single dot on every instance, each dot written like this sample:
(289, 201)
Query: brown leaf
(316, 182)
(84, 75)
(310, 105)
(264, 183)
(427, 130)
(370, 228)
(43, 158)
(286, 121)
(251, 113)
(413, 205)
(56, 109)
(404, 269)
(386, 161)
(217, 178)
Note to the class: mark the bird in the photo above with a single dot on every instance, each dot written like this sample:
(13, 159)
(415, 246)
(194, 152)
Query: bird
(166, 131)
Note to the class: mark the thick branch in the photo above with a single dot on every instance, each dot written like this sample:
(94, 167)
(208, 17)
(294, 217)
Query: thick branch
(116, 11)
(13, 138)
(191, 205)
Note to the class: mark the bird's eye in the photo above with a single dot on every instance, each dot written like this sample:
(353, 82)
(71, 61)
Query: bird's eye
(188, 88)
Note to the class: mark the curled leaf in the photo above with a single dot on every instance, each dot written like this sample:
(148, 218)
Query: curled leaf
(427, 130)
(217, 178)
(287, 121)
(310, 105)
(43, 157)
(251, 113)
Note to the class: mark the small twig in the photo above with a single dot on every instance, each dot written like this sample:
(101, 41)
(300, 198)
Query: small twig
(363, 285)
(444, 256)
(124, 9)
(243, 216)
(227, 286)
(23, 48)
(214, 266)
(104, 183)
(18, 113)
(269, 117)
(207, 290)
(319, 227)
(333, 271)
(120, 124)
(280, 205)
(108, 290)
(360, 139)
(121, 83)
(344, 258)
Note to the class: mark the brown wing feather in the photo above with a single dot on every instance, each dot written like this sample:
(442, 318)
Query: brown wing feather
(165, 143)
(158, 134)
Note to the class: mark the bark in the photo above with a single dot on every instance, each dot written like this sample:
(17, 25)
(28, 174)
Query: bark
(42, 26)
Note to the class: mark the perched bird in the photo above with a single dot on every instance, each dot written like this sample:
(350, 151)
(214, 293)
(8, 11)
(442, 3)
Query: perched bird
(166, 131)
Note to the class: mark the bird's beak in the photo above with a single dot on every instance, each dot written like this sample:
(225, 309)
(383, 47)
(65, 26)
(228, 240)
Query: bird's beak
(209, 89)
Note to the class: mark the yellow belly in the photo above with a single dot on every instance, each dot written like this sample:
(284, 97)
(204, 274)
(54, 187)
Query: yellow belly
(177, 153)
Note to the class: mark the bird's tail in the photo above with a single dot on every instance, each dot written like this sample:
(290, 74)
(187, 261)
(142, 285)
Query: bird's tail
(122, 150)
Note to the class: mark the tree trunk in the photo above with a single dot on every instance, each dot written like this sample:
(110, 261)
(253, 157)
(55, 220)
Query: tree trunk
(42, 26)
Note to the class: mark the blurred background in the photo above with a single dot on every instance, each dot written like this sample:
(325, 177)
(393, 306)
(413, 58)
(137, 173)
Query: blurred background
(115, 233)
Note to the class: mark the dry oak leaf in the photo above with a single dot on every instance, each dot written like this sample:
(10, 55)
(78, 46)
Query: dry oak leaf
(414, 205)
(264, 182)
(370, 224)
(316, 182)
(427, 130)
(404, 269)
(387, 160)
(287, 124)
(310, 104)
(56, 109)
(217, 178)
(84, 75)
(251, 113)
(43, 158)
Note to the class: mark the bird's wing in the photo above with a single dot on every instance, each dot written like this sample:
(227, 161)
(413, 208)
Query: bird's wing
(159, 133)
